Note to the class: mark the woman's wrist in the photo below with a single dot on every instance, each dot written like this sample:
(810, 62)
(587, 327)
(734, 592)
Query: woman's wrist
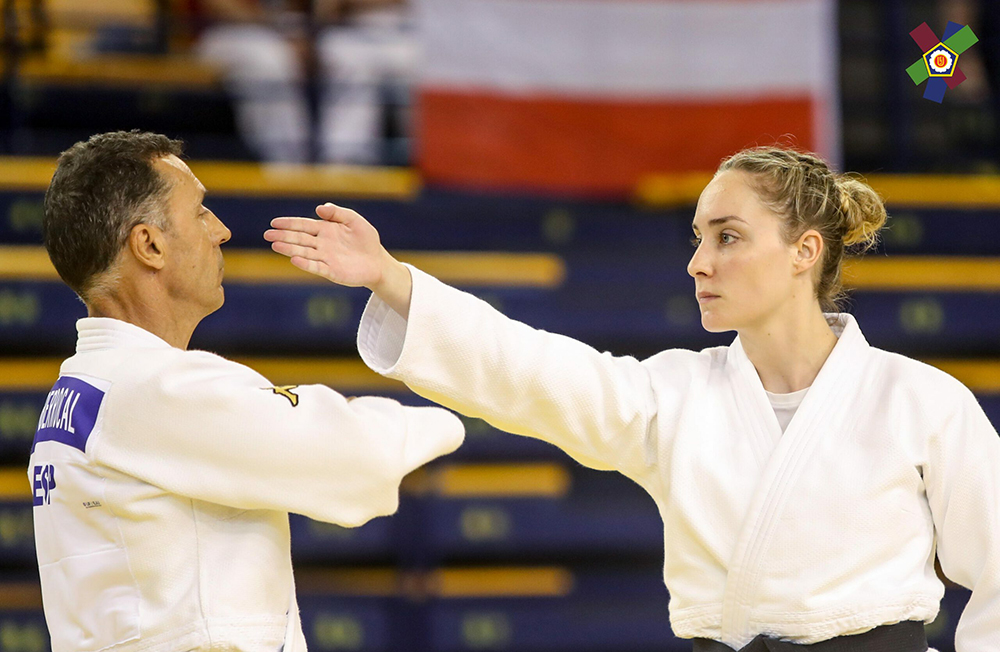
(394, 286)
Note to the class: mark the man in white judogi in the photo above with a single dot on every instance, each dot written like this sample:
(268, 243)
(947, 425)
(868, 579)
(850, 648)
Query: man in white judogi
(163, 477)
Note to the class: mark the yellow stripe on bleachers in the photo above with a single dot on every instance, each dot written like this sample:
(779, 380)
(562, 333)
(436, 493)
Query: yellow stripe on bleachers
(492, 582)
(321, 181)
(23, 263)
(346, 376)
(512, 581)
(251, 179)
(370, 582)
(336, 181)
(146, 71)
(28, 374)
(14, 484)
(938, 191)
(671, 190)
(501, 480)
(910, 190)
(27, 173)
(460, 268)
(20, 595)
(542, 581)
(510, 480)
(981, 376)
(923, 273)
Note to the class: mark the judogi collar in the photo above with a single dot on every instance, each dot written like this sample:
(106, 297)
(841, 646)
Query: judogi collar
(100, 333)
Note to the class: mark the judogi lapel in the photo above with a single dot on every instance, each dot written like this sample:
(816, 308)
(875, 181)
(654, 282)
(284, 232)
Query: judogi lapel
(825, 412)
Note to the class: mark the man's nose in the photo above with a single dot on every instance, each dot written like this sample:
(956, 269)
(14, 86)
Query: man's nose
(223, 232)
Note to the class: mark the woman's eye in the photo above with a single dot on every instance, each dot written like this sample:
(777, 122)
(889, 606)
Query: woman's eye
(695, 241)
(727, 238)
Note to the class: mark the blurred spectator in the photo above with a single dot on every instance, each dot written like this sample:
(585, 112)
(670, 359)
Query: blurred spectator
(264, 50)
(259, 45)
(374, 45)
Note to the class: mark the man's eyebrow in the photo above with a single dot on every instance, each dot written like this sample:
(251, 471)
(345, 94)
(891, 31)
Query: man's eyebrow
(716, 221)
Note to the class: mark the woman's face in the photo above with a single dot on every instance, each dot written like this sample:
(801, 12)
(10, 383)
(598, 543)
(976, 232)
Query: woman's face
(744, 272)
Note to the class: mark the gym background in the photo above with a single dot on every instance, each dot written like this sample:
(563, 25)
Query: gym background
(545, 156)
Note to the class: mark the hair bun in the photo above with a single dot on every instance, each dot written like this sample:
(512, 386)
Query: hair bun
(863, 210)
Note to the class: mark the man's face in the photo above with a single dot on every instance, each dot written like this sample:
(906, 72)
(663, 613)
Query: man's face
(194, 235)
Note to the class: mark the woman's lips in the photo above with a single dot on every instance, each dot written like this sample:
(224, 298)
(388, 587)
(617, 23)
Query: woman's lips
(704, 297)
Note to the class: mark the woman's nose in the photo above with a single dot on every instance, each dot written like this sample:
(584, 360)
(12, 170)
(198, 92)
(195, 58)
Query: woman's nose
(699, 263)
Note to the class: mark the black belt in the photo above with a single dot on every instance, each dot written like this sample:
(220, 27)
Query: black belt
(907, 636)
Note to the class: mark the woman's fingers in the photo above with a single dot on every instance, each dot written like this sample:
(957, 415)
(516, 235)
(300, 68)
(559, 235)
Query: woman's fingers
(291, 237)
(300, 224)
(290, 250)
(333, 213)
(317, 267)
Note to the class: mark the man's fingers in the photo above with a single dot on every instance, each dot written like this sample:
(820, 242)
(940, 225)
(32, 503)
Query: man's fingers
(303, 224)
(291, 250)
(333, 213)
(291, 237)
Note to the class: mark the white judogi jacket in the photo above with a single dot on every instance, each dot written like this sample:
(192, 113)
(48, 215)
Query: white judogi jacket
(162, 483)
(828, 529)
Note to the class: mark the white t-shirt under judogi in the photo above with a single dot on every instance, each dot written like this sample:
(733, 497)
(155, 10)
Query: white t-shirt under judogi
(828, 529)
(162, 484)
(785, 405)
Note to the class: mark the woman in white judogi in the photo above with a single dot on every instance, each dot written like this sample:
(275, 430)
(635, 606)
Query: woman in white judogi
(806, 480)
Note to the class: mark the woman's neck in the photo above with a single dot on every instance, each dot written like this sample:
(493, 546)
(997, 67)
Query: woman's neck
(789, 350)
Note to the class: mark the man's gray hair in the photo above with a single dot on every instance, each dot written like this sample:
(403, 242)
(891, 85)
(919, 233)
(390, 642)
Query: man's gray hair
(101, 190)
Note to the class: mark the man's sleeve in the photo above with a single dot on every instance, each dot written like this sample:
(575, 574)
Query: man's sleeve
(962, 479)
(208, 428)
(460, 352)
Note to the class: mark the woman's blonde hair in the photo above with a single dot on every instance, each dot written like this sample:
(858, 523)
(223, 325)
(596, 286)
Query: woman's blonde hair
(803, 190)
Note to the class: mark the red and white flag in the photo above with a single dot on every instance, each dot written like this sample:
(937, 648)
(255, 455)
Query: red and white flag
(587, 96)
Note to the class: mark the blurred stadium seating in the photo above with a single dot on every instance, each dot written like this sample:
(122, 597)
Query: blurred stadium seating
(507, 544)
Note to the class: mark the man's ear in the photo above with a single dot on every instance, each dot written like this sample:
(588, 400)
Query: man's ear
(808, 250)
(147, 245)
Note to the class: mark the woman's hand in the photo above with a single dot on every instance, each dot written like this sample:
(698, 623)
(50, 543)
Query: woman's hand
(344, 248)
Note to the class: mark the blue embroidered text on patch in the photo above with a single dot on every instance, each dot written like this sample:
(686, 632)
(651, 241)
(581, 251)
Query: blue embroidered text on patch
(43, 479)
(69, 414)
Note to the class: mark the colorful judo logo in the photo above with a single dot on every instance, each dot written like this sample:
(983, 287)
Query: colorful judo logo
(939, 65)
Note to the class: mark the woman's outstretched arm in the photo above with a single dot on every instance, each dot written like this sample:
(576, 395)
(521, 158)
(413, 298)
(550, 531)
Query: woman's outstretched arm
(459, 351)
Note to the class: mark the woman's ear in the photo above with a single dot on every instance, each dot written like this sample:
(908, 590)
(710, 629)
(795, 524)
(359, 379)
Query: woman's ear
(808, 251)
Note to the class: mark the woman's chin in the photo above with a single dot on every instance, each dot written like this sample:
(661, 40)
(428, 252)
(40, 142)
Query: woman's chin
(713, 324)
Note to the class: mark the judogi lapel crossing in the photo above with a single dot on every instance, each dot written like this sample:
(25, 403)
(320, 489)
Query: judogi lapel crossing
(828, 529)
(782, 457)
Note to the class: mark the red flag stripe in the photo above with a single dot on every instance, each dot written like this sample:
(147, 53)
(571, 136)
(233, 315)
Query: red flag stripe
(592, 147)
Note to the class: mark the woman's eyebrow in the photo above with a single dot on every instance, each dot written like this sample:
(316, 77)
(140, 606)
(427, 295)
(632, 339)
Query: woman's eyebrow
(721, 220)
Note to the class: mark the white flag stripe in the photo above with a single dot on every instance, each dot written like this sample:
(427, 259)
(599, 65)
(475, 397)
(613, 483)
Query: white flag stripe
(629, 49)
